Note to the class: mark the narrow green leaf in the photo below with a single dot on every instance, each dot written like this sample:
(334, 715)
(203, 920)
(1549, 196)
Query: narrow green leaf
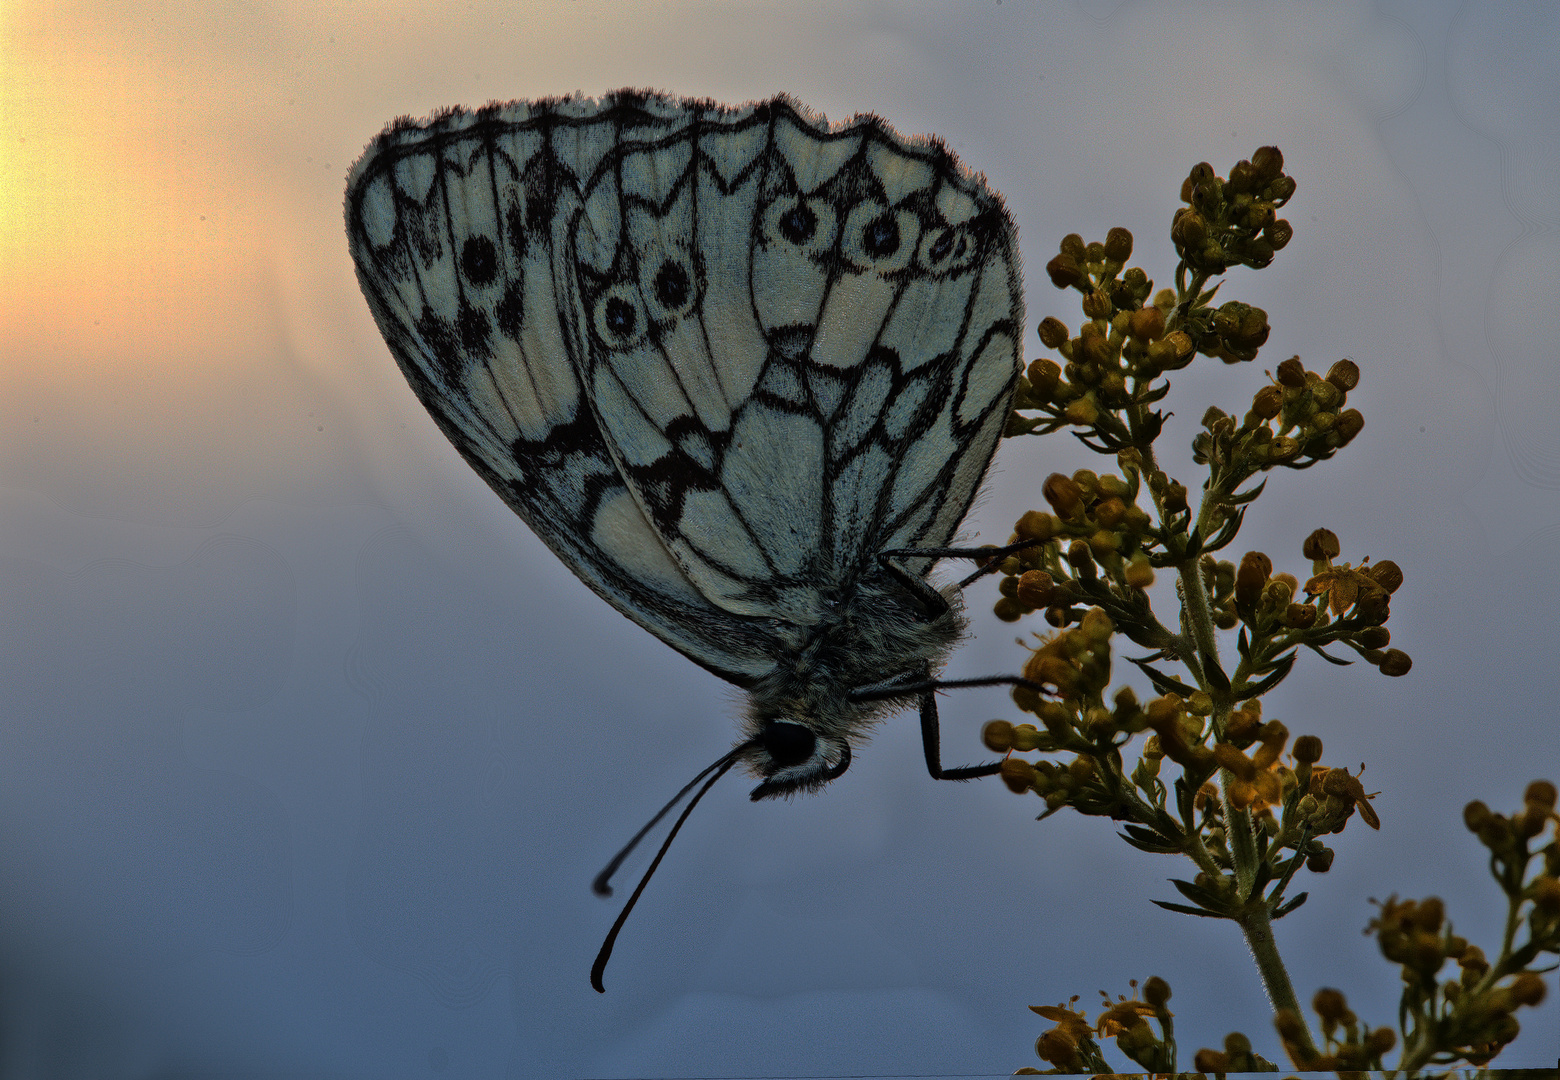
(1317, 649)
(1184, 910)
(1285, 909)
(1280, 668)
(1165, 684)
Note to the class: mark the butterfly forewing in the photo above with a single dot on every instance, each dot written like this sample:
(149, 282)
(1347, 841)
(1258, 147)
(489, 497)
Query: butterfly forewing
(718, 359)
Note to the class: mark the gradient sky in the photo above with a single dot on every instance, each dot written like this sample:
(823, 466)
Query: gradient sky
(310, 749)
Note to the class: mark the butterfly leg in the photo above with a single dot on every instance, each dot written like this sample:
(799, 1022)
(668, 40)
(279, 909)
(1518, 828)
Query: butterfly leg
(931, 600)
(931, 742)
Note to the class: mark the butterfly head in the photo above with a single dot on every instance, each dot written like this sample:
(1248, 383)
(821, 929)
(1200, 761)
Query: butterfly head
(792, 757)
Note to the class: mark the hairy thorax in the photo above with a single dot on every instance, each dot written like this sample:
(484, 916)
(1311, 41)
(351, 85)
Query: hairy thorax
(836, 680)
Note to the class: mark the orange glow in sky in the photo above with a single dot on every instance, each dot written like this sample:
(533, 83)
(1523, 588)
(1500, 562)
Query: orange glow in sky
(115, 224)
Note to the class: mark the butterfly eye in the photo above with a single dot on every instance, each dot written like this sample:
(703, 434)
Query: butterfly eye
(788, 744)
(879, 238)
(620, 322)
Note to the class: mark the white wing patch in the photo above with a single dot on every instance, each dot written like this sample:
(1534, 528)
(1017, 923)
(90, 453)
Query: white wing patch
(717, 358)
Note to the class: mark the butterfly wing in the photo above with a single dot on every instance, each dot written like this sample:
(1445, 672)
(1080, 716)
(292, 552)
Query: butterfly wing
(456, 227)
(800, 342)
(716, 358)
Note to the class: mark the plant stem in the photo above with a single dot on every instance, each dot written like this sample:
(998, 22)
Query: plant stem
(1258, 929)
(1255, 922)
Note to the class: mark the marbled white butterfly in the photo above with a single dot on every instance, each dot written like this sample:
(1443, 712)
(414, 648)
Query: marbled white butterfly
(742, 370)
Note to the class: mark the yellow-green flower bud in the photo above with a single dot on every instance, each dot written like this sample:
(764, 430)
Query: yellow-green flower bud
(1147, 324)
(1330, 1004)
(1081, 412)
(1267, 402)
(1026, 737)
(1172, 351)
(1308, 748)
(1283, 449)
(1325, 396)
(1043, 376)
(1066, 273)
(1064, 495)
(1291, 373)
(1528, 988)
(1350, 421)
(1211, 1061)
(1156, 991)
(1255, 567)
(1278, 591)
(997, 736)
(1008, 610)
(1387, 575)
(1373, 637)
(1321, 546)
(1035, 588)
(1345, 375)
(1109, 512)
(1118, 245)
(1476, 815)
(1188, 230)
(1017, 774)
(1299, 616)
(1035, 525)
(1395, 663)
(1139, 573)
(1268, 162)
(1057, 1047)
(1053, 332)
(1027, 700)
(1380, 1041)
(1546, 896)
(1081, 559)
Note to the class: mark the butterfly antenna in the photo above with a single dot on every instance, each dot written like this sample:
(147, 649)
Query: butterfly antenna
(600, 886)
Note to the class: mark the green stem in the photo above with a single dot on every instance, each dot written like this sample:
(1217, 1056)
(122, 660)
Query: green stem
(1255, 921)
(1258, 929)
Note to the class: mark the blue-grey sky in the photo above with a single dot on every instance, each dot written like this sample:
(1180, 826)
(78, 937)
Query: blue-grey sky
(310, 749)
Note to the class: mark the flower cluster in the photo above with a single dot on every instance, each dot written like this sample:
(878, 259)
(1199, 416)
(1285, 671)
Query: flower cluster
(1350, 1045)
(1072, 1045)
(1233, 222)
(1295, 421)
(1288, 805)
(1248, 805)
(1095, 527)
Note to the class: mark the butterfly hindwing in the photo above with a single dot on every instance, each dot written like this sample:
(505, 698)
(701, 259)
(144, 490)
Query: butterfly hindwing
(452, 228)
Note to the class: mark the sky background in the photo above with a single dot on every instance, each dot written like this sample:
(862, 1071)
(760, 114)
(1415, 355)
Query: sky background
(310, 749)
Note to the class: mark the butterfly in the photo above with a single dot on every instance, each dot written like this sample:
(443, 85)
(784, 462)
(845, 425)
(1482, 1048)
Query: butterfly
(741, 369)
